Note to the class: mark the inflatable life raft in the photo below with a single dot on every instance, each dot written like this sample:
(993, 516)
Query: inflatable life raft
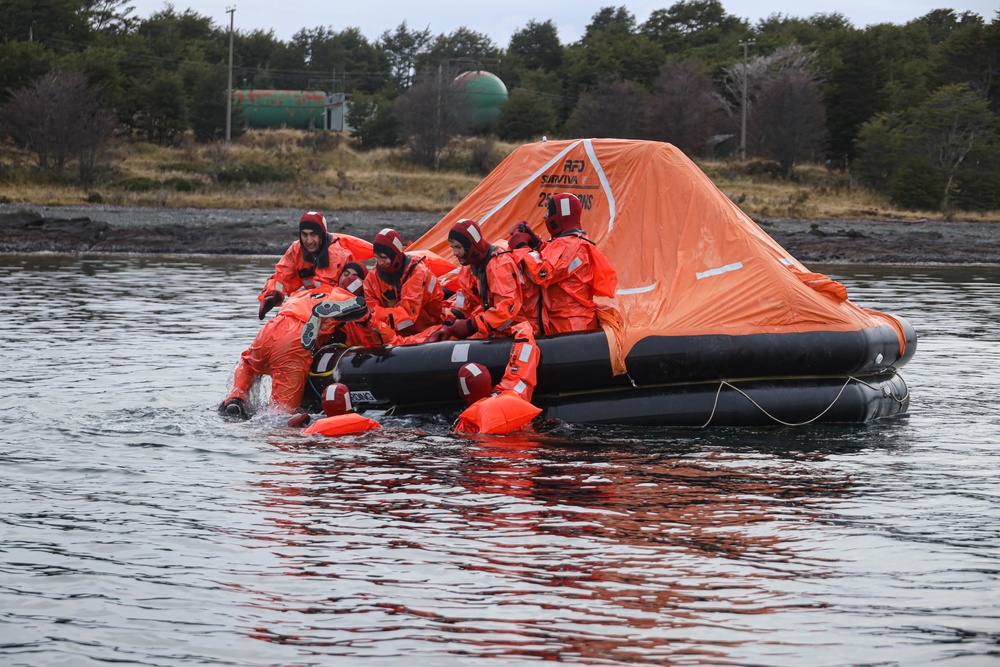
(671, 381)
(717, 324)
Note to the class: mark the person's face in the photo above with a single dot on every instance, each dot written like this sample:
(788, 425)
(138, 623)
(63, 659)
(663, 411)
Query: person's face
(383, 262)
(349, 273)
(311, 241)
(459, 251)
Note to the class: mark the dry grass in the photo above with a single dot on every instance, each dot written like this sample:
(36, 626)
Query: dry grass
(296, 169)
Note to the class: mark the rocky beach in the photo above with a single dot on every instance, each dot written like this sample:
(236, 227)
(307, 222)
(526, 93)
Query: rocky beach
(103, 229)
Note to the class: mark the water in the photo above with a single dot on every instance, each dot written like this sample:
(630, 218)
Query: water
(140, 528)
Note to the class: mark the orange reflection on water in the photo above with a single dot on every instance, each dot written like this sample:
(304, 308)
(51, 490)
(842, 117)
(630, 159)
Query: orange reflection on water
(513, 546)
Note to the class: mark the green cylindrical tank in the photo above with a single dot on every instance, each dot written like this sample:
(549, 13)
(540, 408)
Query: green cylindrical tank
(282, 108)
(484, 94)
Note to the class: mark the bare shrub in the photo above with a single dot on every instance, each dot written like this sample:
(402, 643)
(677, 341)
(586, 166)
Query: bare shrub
(612, 108)
(60, 118)
(684, 108)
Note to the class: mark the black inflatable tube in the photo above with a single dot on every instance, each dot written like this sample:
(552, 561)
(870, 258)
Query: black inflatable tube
(742, 403)
(579, 362)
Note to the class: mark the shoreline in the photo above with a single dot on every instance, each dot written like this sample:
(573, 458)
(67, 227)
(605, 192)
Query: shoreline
(35, 229)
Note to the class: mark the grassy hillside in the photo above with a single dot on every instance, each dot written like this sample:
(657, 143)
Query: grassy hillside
(321, 170)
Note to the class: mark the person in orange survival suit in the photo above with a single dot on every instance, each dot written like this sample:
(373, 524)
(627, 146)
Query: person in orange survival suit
(314, 260)
(507, 406)
(402, 290)
(341, 419)
(570, 268)
(488, 300)
(277, 351)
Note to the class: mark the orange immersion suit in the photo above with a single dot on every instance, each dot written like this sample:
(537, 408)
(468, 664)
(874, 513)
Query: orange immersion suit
(293, 272)
(409, 301)
(509, 408)
(571, 270)
(277, 351)
(493, 296)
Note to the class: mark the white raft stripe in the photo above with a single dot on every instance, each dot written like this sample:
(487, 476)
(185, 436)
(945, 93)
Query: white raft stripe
(589, 147)
(638, 290)
(718, 271)
(528, 181)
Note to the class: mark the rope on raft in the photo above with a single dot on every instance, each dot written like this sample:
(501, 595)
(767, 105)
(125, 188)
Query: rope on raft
(725, 383)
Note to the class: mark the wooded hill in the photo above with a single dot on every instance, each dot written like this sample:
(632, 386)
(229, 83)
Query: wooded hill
(909, 110)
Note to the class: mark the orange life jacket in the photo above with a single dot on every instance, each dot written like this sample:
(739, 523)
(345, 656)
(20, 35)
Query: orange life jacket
(344, 424)
(496, 415)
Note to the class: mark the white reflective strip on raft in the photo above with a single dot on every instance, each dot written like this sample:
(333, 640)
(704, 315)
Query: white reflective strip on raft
(528, 181)
(520, 387)
(612, 209)
(403, 324)
(722, 269)
(786, 261)
(460, 353)
(638, 290)
(525, 353)
(432, 284)
(324, 362)
(574, 265)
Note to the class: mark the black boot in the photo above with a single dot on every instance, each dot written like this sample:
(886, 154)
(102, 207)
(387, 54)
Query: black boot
(234, 408)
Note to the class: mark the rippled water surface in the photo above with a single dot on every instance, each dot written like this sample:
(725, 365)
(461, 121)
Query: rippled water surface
(140, 528)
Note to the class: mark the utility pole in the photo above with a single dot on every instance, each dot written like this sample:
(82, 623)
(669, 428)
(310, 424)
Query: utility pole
(743, 106)
(229, 91)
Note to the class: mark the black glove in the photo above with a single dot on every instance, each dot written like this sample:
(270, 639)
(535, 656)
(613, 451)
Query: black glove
(273, 298)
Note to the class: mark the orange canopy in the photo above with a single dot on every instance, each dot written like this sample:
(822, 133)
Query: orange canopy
(689, 261)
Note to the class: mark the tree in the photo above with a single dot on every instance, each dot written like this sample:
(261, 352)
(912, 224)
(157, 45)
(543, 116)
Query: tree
(403, 47)
(37, 119)
(462, 45)
(690, 23)
(536, 46)
(684, 108)
(936, 155)
(160, 106)
(947, 127)
(526, 115)
(208, 85)
(40, 20)
(971, 54)
(430, 115)
(611, 49)
(787, 121)
(22, 64)
(347, 56)
(109, 17)
(612, 108)
(374, 124)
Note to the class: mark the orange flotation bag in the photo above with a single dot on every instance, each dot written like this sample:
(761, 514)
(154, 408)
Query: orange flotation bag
(344, 424)
(496, 415)
(361, 249)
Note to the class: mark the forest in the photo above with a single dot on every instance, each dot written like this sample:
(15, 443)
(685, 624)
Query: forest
(909, 110)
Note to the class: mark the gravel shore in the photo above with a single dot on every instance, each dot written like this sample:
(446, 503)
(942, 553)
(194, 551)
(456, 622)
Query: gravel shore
(105, 229)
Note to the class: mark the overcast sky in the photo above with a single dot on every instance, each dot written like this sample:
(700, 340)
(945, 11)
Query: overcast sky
(501, 18)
